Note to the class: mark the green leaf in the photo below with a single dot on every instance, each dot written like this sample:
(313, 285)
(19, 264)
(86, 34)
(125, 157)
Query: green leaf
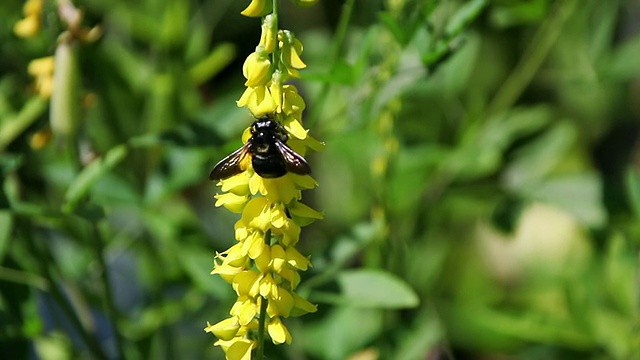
(580, 194)
(393, 27)
(376, 289)
(91, 174)
(347, 329)
(425, 333)
(197, 263)
(623, 62)
(464, 16)
(12, 127)
(620, 275)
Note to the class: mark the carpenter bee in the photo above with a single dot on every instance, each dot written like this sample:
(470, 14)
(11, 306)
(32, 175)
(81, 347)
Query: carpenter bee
(270, 155)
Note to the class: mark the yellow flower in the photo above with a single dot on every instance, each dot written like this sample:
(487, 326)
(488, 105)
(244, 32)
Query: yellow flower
(234, 203)
(291, 48)
(42, 70)
(258, 100)
(278, 332)
(245, 309)
(237, 348)
(269, 34)
(258, 8)
(30, 25)
(225, 329)
(257, 68)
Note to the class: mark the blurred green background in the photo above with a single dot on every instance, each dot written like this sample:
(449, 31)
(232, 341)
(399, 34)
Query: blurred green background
(480, 182)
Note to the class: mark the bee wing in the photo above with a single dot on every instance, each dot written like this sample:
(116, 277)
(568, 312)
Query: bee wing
(230, 165)
(294, 162)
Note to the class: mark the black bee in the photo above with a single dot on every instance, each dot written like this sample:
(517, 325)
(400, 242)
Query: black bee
(270, 155)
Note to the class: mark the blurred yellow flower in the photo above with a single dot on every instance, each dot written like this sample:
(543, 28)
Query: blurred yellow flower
(30, 25)
(42, 70)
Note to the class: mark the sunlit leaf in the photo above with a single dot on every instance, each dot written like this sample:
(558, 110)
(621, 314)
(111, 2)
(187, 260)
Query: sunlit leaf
(376, 289)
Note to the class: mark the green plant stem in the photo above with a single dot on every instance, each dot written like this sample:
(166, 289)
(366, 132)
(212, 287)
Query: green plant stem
(98, 245)
(275, 56)
(42, 260)
(532, 59)
(263, 311)
(334, 54)
(261, 328)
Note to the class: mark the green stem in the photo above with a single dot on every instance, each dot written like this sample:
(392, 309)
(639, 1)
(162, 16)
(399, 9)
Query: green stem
(532, 59)
(263, 311)
(261, 328)
(275, 56)
(111, 312)
(43, 258)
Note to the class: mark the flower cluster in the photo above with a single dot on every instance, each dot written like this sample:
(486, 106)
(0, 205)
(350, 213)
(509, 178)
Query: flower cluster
(263, 266)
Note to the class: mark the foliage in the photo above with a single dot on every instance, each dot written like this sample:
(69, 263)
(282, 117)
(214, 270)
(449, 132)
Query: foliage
(479, 184)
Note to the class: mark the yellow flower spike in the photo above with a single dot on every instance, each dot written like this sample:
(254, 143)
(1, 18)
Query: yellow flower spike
(268, 35)
(257, 68)
(232, 202)
(266, 270)
(225, 329)
(278, 332)
(258, 8)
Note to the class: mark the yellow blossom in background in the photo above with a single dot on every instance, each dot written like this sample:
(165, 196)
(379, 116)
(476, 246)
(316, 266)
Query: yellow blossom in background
(42, 70)
(263, 266)
(30, 25)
